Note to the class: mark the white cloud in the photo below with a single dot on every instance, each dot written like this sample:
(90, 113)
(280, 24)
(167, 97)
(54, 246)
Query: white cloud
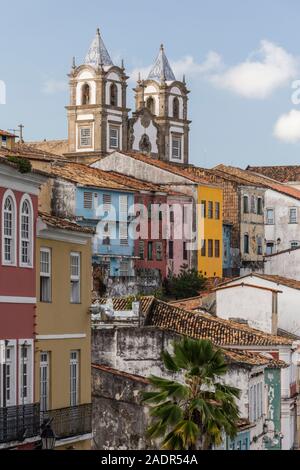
(52, 86)
(259, 77)
(287, 128)
(188, 66)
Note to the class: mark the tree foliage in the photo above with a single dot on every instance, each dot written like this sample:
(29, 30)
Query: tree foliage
(194, 414)
(188, 283)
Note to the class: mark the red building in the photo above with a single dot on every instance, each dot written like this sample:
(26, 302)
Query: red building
(19, 206)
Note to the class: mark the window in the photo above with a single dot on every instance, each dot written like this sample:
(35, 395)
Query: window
(159, 249)
(293, 215)
(270, 248)
(113, 95)
(85, 137)
(252, 204)
(24, 373)
(150, 251)
(203, 209)
(210, 213)
(270, 217)
(75, 277)
(217, 211)
(259, 206)
(176, 148)
(141, 249)
(259, 246)
(171, 249)
(123, 232)
(26, 234)
(106, 202)
(9, 376)
(124, 268)
(106, 234)
(210, 249)
(171, 214)
(203, 248)
(44, 381)
(176, 108)
(9, 231)
(45, 275)
(246, 243)
(123, 215)
(74, 378)
(246, 204)
(217, 248)
(85, 94)
(88, 200)
(114, 137)
(294, 244)
(185, 252)
(4, 141)
(150, 103)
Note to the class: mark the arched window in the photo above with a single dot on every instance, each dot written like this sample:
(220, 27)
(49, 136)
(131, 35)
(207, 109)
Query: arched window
(9, 230)
(26, 233)
(85, 98)
(113, 95)
(150, 103)
(176, 108)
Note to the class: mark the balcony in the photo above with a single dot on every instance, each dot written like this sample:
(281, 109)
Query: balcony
(71, 421)
(18, 423)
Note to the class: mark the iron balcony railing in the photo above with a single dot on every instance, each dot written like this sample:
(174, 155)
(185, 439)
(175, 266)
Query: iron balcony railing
(71, 421)
(18, 423)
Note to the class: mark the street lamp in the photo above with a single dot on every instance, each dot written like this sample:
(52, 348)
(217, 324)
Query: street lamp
(48, 437)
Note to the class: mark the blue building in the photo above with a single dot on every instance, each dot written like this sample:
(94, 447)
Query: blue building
(109, 212)
(227, 258)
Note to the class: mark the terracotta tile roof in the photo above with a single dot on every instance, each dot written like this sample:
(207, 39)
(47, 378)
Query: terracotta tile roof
(192, 303)
(216, 176)
(120, 373)
(58, 147)
(120, 303)
(252, 358)
(260, 180)
(26, 151)
(279, 280)
(64, 224)
(287, 334)
(87, 176)
(6, 133)
(170, 167)
(281, 173)
(201, 325)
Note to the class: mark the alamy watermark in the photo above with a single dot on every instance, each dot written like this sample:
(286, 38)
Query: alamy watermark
(2, 92)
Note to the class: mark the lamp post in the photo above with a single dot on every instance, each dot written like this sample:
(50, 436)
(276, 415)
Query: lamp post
(47, 436)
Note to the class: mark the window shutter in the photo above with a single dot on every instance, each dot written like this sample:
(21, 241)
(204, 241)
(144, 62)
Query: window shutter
(87, 200)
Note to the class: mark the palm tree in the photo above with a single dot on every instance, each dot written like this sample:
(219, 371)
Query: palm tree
(196, 413)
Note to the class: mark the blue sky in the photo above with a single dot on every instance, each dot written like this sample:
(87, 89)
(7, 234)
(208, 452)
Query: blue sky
(240, 60)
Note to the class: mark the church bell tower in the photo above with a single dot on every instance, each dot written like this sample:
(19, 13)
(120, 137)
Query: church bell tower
(97, 113)
(160, 125)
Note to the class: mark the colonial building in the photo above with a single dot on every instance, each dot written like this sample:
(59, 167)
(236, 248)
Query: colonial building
(206, 213)
(62, 347)
(19, 410)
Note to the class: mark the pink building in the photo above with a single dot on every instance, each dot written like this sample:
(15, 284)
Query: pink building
(19, 206)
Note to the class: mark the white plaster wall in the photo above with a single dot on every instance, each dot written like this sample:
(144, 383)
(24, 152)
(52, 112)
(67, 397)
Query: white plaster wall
(285, 264)
(151, 132)
(288, 302)
(254, 305)
(85, 75)
(92, 86)
(282, 228)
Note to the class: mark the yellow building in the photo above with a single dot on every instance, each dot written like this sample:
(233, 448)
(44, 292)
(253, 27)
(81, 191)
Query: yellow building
(63, 346)
(210, 230)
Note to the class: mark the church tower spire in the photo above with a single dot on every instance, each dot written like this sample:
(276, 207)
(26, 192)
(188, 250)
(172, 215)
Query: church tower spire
(97, 113)
(161, 117)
